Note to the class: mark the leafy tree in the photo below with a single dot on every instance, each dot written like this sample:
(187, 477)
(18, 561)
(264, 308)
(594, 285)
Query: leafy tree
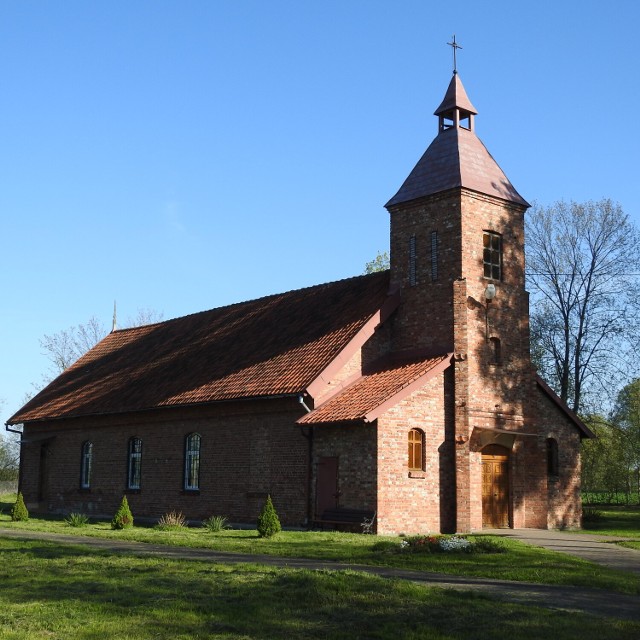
(583, 261)
(627, 419)
(268, 521)
(380, 263)
(123, 518)
(603, 468)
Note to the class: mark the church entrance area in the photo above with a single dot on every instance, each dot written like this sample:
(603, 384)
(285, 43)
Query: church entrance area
(495, 487)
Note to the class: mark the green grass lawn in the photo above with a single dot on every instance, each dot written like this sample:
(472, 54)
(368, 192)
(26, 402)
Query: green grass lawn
(615, 520)
(65, 591)
(520, 562)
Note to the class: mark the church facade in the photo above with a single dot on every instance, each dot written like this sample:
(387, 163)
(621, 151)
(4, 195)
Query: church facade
(407, 393)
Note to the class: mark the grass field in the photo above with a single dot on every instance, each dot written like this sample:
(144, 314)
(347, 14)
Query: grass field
(71, 591)
(520, 562)
(65, 591)
(617, 520)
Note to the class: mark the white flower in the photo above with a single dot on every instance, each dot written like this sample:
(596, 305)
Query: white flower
(454, 543)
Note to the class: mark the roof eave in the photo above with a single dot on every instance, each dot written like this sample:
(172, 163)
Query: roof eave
(553, 396)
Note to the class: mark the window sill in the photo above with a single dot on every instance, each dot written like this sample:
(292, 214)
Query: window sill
(421, 475)
(191, 492)
(132, 491)
(84, 490)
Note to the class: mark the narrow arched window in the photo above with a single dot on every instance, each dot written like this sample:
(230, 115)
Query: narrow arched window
(86, 462)
(192, 462)
(134, 467)
(552, 457)
(416, 449)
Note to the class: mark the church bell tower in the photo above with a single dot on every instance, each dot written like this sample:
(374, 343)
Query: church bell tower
(457, 259)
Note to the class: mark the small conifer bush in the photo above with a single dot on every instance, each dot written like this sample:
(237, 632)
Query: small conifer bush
(123, 518)
(19, 510)
(268, 521)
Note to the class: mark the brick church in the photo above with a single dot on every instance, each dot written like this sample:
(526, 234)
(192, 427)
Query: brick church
(407, 393)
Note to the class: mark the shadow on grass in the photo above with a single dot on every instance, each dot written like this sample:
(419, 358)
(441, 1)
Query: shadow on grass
(623, 520)
(104, 595)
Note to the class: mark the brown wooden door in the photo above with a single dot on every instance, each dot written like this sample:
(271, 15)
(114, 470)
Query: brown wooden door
(326, 484)
(495, 487)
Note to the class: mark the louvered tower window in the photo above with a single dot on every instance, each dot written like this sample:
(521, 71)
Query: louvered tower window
(434, 255)
(412, 260)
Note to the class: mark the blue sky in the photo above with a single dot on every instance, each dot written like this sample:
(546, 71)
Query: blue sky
(183, 155)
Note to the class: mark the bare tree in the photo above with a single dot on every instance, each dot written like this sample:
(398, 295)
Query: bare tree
(583, 261)
(9, 454)
(65, 347)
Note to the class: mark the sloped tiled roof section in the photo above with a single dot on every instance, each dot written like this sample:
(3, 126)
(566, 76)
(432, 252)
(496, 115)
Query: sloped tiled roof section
(456, 158)
(375, 392)
(268, 347)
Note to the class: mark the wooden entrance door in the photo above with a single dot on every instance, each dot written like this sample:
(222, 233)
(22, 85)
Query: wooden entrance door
(495, 487)
(326, 485)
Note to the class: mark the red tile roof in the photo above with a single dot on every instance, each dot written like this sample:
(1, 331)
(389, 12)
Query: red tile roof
(272, 346)
(373, 393)
(456, 158)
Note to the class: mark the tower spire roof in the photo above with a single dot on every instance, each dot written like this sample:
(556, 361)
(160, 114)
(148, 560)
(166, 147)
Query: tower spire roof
(455, 98)
(456, 158)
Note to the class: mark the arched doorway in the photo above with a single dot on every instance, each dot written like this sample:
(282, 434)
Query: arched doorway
(495, 486)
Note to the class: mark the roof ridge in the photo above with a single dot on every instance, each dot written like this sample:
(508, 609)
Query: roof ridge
(250, 301)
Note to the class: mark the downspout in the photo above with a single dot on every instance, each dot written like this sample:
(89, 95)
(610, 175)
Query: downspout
(309, 436)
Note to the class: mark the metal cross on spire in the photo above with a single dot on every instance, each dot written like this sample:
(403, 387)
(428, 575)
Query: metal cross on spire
(454, 45)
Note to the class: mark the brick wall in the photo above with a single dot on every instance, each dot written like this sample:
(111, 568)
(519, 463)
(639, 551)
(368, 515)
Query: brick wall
(416, 501)
(248, 450)
(355, 447)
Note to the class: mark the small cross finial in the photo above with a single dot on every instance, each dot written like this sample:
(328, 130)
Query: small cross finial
(454, 45)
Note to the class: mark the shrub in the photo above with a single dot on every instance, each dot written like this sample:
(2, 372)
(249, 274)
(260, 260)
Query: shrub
(455, 544)
(77, 520)
(591, 515)
(421, 544)
(216, 523)
(123, 518)
(450, 544)
(268, 521)
(19, 510)
(488, 545)
(171, 521)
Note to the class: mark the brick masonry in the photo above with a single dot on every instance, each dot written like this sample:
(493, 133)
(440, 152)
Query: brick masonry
(487, 396)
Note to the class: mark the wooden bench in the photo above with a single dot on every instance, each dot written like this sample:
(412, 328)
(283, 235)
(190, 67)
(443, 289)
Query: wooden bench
(349, 519)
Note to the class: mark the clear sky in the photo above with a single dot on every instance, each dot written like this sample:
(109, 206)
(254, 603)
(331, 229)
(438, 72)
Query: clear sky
(183, 155)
